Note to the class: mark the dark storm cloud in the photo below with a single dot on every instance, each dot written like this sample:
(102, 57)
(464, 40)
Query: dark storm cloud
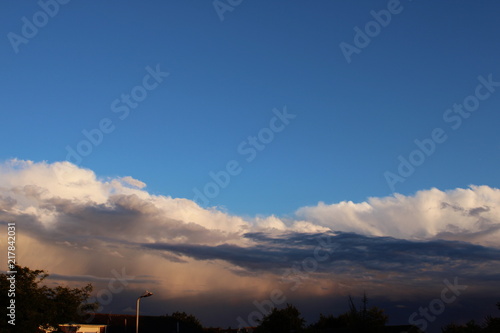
(343, 249)
(252, 258)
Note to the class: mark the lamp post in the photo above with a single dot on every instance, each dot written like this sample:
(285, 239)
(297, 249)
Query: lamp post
(146, 294)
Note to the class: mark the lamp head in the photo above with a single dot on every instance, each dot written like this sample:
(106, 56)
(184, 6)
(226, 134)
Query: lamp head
(147, 294)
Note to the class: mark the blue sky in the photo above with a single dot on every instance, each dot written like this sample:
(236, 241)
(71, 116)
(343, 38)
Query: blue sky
(351, 120)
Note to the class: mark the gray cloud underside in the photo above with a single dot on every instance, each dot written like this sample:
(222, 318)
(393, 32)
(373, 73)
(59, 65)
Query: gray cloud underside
(122, 217)
(343, 249)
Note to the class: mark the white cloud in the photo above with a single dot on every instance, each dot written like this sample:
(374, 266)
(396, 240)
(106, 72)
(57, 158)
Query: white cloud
(74, 201)
(425, 215)
(133, 182)
(70, 222)
(48, 192)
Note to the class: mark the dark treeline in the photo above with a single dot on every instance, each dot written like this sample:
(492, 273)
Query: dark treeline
(359, 320)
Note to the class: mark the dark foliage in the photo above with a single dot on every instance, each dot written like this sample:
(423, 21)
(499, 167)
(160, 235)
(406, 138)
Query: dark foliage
(38, 306)
(282, 320)
(362, 320)
(491, 325)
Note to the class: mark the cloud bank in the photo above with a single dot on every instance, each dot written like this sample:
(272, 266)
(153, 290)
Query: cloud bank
(80, 227)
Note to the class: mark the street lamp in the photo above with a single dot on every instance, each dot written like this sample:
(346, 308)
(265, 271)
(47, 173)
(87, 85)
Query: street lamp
(146, 294)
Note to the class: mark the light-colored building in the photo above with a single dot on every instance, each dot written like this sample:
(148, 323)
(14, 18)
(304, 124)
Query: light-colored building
(83, 328)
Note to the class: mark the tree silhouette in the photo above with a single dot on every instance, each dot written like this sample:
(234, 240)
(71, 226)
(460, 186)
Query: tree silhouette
(491, 325)
(186, 322)
(362, 320)
(470, 327)
(38, 306)
(282, 320)
(327, 324)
